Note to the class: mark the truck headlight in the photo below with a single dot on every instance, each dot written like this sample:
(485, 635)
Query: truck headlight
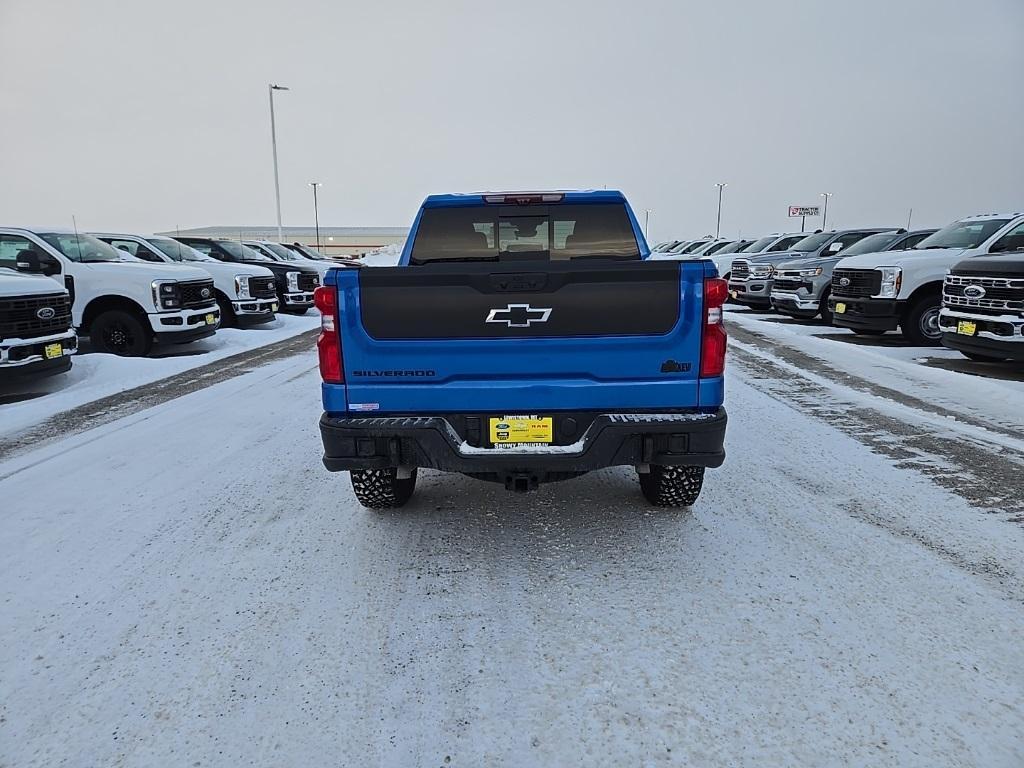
(293, 281)
(166, 294)
(762, 270)
(242, 286)
(809, 272)
(892, 281)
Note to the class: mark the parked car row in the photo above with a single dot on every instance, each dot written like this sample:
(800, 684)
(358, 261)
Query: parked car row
(127, 292)
(962, 285)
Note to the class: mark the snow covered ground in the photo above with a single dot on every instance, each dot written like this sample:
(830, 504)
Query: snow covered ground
(96, 375)
(830, 601)
(986, 391)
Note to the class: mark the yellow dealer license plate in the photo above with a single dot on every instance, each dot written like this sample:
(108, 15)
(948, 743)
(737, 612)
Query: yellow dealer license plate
(734, 294)
(211, 319)
(273, 307)
(518, 429)
(51, 351)
(966, 328)
(840, 308)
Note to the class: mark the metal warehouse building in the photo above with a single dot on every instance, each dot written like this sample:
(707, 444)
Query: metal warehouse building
(334, 241)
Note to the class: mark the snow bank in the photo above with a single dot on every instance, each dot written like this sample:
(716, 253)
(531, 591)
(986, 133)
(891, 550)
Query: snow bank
(387, 256)
(95, 375)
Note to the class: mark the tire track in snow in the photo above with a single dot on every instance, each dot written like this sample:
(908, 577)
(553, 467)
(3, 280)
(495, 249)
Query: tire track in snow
(108, 409)
(809, 363)
(979, 472)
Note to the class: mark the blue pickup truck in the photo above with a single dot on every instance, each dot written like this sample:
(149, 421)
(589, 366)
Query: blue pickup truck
(523, 338)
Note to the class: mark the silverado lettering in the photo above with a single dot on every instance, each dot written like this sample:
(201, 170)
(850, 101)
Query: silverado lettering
(394, 373)
(559, 363)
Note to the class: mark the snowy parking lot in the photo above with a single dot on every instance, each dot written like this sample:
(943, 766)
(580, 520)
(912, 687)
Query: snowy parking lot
(849, 590)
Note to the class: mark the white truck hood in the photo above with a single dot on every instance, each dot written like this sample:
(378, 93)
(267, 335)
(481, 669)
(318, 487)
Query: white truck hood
(20, 284)
(908, 259)
(238, 269)
(147, 270)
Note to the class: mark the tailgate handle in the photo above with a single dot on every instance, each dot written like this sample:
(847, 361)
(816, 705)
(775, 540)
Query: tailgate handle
(518, 282)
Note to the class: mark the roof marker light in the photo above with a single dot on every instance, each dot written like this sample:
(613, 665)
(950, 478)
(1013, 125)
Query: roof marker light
(524, 198)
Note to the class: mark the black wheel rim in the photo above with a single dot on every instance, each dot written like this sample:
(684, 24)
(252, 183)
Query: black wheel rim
(118, 339)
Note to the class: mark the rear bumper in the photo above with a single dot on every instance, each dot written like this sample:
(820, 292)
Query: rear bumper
(619, 439)
(869, 314)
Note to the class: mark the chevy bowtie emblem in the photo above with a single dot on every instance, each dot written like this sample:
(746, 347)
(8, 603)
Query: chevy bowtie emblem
(519, 315)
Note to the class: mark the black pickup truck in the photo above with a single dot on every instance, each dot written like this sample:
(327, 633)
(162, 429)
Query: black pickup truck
(983, 307)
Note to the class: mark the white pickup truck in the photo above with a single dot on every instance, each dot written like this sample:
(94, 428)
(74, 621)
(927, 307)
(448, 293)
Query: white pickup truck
(123, 307)
(246, 293)
(878, 292)
(36, 337)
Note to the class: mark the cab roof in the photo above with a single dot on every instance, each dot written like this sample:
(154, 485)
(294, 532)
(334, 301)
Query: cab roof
(520, 197)
(989, 216)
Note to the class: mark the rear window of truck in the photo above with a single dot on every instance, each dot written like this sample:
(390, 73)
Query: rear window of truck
(543, 232)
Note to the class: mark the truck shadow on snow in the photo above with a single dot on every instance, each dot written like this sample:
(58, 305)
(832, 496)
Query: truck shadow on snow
(603, 503)
(1001, 371)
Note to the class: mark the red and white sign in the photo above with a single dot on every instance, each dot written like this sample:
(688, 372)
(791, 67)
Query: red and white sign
(796, 211)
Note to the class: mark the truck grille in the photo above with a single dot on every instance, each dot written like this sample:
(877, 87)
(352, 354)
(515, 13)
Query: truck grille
(308, 282)
(262, 287)
(19, 317)
(192, 294)
(996, 294)
(856, 282)
(785, 282)
(741, 269)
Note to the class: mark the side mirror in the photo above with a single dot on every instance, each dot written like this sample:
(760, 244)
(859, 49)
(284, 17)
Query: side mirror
(36, 263)
(28, 262)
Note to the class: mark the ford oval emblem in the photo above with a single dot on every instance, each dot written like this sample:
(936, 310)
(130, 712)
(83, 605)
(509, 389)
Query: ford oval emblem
(46, 313)
(974, 292)
(844, 281)
(205, 293)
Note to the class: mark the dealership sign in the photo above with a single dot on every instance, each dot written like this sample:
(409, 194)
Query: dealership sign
(804, 210)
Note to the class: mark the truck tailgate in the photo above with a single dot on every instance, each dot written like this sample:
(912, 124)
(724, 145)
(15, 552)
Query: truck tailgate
(519, 337)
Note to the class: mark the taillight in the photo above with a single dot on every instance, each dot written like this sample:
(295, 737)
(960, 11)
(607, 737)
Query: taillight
(713, 338)
(328, 343)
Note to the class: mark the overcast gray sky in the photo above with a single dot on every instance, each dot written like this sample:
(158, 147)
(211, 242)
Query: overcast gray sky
(145, 115)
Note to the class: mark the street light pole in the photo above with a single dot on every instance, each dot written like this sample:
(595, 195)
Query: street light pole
(273, 141)
(718, 227)
(316, 212)
(824, 211)
(647, 222)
